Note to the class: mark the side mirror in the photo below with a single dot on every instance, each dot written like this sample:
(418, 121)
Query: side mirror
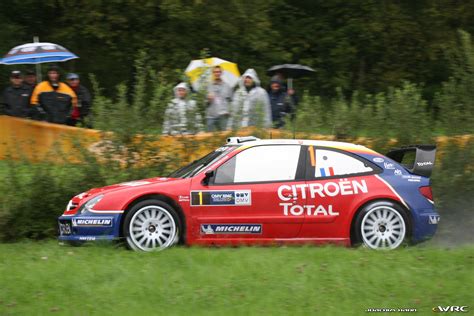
(208, 175)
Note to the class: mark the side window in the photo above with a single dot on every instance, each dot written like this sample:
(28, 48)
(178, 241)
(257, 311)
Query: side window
(328, 163)
(261, 163)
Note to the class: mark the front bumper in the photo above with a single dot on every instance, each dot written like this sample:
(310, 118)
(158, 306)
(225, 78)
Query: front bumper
(89, 227)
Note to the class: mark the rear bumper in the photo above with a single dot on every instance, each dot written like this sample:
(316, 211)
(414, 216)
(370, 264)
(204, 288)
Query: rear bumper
(425, 224)
(89, 227)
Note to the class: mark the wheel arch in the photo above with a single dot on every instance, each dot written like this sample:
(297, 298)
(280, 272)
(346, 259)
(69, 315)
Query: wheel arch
(408, 214)
(160, 197)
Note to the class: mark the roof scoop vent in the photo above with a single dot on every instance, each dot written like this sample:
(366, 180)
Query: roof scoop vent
(239, 140)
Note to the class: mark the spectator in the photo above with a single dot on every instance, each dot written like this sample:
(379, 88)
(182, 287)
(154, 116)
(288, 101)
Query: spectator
(182, 115)
(290, 91)
(16, 97)
(30, 79)
(250, 103)
(218, 99)
(55, 97)
(281, 103)
(84, 99)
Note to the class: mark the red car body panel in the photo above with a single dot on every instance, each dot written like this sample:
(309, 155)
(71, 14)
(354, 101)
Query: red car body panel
(300, 211)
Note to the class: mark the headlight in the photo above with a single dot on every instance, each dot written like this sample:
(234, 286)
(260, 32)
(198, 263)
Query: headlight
(91, 203)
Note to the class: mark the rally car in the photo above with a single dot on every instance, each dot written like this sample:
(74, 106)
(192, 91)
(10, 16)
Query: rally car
(253, 191)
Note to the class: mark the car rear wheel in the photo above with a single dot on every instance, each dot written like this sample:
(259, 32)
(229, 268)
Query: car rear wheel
(382, 225)
(151, 225)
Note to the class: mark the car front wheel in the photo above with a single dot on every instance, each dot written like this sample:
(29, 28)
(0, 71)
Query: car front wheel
(382, 225)
(151, 225)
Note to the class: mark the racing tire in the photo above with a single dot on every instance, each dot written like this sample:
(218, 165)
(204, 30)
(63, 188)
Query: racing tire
(151, 225)
(382, 225)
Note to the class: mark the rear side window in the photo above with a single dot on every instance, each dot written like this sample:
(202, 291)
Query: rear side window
(260, 164)
(329, 163)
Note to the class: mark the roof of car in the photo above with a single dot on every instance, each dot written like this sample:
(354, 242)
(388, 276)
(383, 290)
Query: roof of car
(323, 143)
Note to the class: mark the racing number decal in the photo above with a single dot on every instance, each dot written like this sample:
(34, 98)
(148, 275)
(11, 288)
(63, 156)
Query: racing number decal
(216, 198)
(200, 197)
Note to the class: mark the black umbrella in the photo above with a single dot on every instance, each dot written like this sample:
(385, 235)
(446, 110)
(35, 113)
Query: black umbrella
(290, 71)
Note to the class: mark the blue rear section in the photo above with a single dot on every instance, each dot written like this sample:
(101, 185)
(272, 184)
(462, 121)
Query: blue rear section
(423, 213)
(89, 227)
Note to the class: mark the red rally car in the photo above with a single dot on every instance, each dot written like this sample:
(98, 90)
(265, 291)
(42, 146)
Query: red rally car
(253, 191)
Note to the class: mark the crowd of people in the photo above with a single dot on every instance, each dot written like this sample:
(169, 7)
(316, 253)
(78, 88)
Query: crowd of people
(249, 104)
(50, 100)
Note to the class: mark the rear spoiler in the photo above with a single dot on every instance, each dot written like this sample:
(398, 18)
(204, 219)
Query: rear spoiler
(424, 158)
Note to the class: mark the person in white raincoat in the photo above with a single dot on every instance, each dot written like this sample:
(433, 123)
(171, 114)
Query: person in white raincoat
(251, 104)
(182, 115)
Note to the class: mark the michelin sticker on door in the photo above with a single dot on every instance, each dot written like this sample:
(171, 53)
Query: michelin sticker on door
(216, 198)
(213, 229)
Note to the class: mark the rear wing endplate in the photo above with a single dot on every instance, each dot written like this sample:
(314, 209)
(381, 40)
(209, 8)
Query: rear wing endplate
(424, 158)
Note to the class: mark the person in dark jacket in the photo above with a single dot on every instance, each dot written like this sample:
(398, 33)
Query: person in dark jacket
(282, 104)
(84, 98)
(16, 98)
(30, 78)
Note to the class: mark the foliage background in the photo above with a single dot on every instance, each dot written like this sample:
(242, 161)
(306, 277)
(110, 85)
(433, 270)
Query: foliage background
(364, 45)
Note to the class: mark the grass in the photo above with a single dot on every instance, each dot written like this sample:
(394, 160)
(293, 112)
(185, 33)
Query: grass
(43, 278)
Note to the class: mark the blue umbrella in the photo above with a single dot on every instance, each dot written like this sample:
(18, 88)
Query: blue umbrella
(37, 53)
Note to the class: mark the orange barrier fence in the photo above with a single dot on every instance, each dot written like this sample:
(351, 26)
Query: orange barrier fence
(36, 140)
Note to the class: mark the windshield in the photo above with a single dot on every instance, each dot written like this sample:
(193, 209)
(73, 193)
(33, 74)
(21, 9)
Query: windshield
(197, 165)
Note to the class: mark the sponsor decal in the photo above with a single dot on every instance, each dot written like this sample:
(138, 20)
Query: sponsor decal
(330, 188)
(238, 197)
(87, 238)
(397, 172)
(92, 222)
(286, 193)
(411, 178)
(183, 198)
(378, 159)
(424, 163)
(135, 183)
(212, 229)
(434, 219)
(310, 210)
(446, 309)
(389, 165)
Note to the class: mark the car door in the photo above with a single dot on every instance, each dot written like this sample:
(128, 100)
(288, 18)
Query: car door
(247, 196)
(336, 181)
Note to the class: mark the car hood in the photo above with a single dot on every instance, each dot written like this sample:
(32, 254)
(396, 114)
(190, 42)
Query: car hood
(120, 186)
(79, 199)
(130, 184)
